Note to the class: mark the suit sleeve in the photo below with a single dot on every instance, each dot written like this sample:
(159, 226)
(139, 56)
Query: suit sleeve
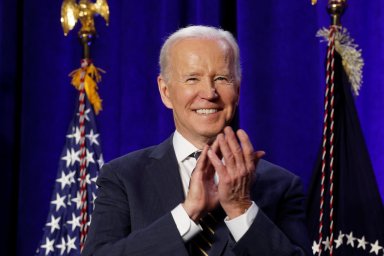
(111, 232)
(285, 235)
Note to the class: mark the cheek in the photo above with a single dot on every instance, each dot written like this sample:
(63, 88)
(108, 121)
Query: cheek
(229, 95)
(184, 95)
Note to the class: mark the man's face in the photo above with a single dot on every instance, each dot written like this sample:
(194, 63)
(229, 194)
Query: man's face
(200, 88)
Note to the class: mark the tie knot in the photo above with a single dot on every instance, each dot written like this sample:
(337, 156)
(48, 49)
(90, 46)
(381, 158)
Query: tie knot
(196, 154)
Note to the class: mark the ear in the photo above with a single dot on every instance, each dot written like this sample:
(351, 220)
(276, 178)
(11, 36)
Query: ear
(164, 92)
(238, 94)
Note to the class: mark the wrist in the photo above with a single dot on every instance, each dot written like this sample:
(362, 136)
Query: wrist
(192, 212)
(237, 210)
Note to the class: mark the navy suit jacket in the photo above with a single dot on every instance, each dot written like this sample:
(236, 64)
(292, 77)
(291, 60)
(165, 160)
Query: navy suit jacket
(137, 193)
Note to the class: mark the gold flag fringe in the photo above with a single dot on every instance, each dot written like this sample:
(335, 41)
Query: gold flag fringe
(350, 53)
(91, 78)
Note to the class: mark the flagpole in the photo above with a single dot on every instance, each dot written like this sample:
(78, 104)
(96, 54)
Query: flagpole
(86, 41)
(84, 11)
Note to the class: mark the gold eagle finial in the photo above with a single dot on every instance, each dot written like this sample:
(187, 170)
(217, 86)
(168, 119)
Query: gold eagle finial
(84, 11)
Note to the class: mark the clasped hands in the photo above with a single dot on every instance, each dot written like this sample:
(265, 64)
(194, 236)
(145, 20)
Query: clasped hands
(235, 164)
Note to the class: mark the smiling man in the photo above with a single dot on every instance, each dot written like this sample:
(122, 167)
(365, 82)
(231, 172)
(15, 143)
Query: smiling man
(167, 200)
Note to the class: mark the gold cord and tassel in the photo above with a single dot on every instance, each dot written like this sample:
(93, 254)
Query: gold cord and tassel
(91, 78)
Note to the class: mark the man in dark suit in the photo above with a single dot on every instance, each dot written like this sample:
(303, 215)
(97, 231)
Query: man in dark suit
(156, 201)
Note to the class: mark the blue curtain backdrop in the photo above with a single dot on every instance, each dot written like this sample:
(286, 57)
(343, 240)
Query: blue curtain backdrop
(281, 96)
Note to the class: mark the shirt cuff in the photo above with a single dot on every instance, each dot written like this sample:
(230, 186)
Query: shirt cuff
(187, 227)
(240, 225)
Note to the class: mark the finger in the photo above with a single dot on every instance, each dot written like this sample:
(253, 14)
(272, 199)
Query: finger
(258, 155)
(248, 151)
(215, 148)
(235, 148)
(229, 158)
(216, 163)
(202, 162)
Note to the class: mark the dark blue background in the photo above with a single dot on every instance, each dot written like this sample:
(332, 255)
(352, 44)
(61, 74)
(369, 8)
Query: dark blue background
(281, 96)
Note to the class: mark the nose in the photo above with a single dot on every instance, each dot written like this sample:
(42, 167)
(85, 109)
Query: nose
(208, 90)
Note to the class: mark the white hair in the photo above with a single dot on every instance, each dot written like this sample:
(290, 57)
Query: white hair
(204, 32)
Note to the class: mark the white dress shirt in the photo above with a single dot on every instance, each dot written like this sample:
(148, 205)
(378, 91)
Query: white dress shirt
(187, 227)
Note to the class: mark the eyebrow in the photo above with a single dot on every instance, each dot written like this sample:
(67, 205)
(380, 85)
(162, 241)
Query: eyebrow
(191, 74)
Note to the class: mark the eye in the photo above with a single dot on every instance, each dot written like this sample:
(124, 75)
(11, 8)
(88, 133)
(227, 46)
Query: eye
(191, 80)
(222, 80)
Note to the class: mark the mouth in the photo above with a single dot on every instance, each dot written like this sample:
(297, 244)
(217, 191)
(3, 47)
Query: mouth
(206, 111)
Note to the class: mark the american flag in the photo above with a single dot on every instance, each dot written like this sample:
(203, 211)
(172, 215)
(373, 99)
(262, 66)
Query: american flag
(62, 230)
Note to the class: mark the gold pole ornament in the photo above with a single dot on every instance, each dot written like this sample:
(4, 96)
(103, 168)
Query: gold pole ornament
(314, 2)
(336, 8)
(88, 75)
(71, 12)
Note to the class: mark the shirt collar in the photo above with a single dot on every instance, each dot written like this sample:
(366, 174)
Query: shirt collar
(183, 148)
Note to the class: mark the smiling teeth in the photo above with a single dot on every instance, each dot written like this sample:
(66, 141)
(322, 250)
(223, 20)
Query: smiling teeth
(206, 111)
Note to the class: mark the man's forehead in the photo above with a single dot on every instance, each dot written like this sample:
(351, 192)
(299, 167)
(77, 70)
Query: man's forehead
(190, 42)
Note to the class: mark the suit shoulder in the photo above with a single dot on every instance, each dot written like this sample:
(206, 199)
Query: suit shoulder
(268, 170)
(274, 185)
(131, 161)
(134, 163)
(133, 156)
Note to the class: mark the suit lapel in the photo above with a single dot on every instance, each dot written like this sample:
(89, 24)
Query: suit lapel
(164, 171)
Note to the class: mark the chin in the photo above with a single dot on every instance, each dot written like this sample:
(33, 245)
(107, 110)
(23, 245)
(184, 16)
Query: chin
(211, 132)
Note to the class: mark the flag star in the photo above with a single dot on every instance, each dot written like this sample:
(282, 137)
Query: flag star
(339, 240)
(71, 243)
(76, 135)
(92, 137)
(361, 243)
(87, 179)
(315, 247)
(77, 200)
(100, 161)
(75, 222)
(54, 223)
(86, 112)
(327, 244)
(94, 179)
(62, 246)
(71, 157)
(59, 201)
(48, 246)
(351, 239)
(71, 177)
(63, 180)
(89, 157)
(375, 247)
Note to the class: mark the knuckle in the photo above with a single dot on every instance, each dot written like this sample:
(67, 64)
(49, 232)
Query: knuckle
(230, 157)
(238, 150)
